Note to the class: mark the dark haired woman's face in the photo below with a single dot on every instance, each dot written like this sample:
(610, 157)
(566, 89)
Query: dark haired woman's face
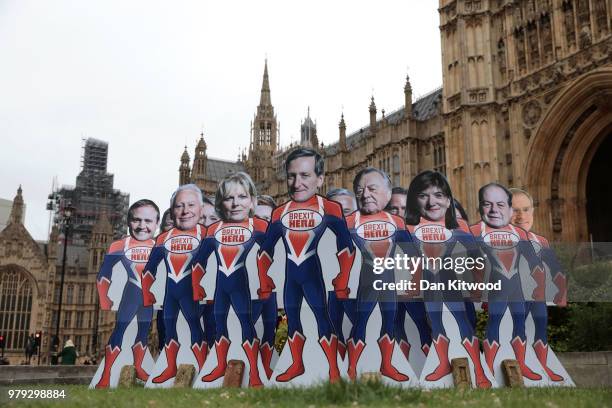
(433, 203)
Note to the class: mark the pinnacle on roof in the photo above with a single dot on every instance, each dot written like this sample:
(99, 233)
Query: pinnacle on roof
(308, 121)
(185, 155)
(17, 208)
(342, 124)
(408, 87)
(372, 105)
(265, 99)
(201, 143)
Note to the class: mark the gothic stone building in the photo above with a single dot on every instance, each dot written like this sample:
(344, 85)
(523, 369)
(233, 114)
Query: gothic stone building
(526, 100)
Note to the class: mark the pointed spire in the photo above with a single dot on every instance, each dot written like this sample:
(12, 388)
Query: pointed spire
(201, 143)
(372, 115)
(408, 98)
(342, 128)
(407, 87)
(17, 208)
(185, 156)
(265, 99)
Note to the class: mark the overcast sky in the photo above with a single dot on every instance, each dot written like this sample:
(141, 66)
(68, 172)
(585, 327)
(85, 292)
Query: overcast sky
(145, 76)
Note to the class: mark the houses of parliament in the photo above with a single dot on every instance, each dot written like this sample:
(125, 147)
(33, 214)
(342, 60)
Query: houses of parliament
(526, 100)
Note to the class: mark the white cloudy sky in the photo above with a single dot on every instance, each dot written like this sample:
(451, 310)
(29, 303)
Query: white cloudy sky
(147, 75)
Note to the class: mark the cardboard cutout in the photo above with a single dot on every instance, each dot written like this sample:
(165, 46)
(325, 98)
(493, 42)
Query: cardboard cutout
(184, 338)
(119, 283)
(549, 284)
(370, 345)
(301, 226)
(231, 242)
(509, 251)
(441, 249)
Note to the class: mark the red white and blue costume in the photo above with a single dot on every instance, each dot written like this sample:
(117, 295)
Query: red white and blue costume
(377, 236)
(231, 243)
(267, 309)
(537, 307)
(434, 240)
(176, 249)
(504, 248)
(301, 225)
(133, 255)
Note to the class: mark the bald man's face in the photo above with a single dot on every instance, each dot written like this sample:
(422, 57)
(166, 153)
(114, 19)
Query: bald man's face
(522, 211)
(495, 210)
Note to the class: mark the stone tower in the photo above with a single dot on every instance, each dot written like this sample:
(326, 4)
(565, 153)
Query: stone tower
(184, 170)
(470, 105)
(264, 137)
(198, 171)
(308, 132)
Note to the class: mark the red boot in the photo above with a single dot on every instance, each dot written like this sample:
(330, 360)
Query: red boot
(252, 351)
(221, 348)
(138, 350)
(170, 372)
(330, 348)
(474, 351)
(519, 348)
(265, 350)
(296, 345)
(541, 351)
(200, 351)
(425, 348)
(444, 367)
(405, 347)
(110, 355)
(341, 350)
(354, 352)
(490, 351)
(386, 367)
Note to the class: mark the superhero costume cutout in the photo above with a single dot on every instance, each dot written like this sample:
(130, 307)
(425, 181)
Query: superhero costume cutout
(371, 342)
(236, 338)
(508, 250)
(184, 338)
(451, 330)
(547, 287)
(311, 353)
(343, 312)
(412, 330)
(119, 283)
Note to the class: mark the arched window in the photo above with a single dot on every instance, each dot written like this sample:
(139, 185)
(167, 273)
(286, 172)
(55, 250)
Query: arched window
(15, 306)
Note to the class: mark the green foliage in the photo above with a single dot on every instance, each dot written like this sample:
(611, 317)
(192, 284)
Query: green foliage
(281, 335)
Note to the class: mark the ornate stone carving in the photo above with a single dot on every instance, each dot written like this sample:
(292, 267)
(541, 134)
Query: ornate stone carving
(532, 111)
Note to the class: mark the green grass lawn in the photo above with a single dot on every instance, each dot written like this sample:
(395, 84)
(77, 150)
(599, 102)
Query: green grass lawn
(344, 394)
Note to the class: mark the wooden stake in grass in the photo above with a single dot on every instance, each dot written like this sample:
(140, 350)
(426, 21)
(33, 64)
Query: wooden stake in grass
(512, 373)
(184, 376)
(233, 374)
(461, 373)
(127, 377)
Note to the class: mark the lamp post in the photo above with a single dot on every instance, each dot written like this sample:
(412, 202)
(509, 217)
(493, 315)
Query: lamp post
(66, 218)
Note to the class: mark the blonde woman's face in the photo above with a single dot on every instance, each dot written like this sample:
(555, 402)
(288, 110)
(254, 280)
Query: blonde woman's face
(237, 203)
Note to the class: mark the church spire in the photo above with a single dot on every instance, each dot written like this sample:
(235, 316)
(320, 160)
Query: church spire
(265, 99)
(17, 209)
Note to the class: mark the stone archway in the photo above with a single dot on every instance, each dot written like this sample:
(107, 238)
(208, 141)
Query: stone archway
(560, 154)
